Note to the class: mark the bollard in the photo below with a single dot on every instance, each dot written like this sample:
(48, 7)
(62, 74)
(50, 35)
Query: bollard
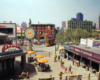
(98, 75)
(65, 77)
(52, 78)
(89, 76)
(39, 78)
(77, 77)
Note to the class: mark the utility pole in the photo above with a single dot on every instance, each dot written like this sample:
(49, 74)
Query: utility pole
(30, 42)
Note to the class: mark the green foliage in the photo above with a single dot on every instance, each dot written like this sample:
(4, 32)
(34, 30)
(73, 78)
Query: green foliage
(84, 34)
(95, 35)
(71, 35)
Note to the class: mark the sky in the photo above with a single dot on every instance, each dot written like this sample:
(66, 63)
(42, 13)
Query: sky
(48, 11)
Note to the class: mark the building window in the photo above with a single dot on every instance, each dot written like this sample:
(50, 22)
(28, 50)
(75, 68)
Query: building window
(43, 27)
(51, 27)
(36, 32)
(36, 27)
(40, 27)
(51, 32)
(41, 33)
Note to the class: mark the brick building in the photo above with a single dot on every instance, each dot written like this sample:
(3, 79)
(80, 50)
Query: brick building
(40, 29)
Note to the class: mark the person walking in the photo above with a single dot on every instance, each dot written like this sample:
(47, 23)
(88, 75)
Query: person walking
(73, 61)
(61, 62)
(49, 53)
(51, 77)
(54, 57)
(45, 54)
(60, 75)
(70, 68)
(20, 77)
(70, 78)
(58, 57)
(27, 75)
(65, 69)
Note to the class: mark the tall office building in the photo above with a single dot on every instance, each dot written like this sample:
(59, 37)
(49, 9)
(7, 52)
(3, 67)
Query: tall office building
(84, 25)
(79, 16)
(94, 25)
(98, 26)
(63, 24)
(73, 19)
(24, 25)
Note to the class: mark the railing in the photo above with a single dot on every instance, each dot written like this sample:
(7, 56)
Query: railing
(74, 77)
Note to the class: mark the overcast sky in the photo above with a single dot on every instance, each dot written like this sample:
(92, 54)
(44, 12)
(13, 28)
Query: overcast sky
(48, 11)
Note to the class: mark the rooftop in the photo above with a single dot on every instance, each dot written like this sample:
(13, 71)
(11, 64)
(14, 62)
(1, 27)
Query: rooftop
(90, 49)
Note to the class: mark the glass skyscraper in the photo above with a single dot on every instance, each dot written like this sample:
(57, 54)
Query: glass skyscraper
(79, 17)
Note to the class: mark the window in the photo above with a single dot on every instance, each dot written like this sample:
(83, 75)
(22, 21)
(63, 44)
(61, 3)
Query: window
(43, 27)
(51, 27)
(40, 27)
(51, 32)
(36, 27)
(36, 32)
(41, 33)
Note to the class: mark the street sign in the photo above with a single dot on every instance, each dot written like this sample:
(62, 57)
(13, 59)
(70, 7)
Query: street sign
(30, 33)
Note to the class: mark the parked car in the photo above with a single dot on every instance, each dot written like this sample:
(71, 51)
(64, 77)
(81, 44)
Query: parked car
(41, 41)
(37, 43)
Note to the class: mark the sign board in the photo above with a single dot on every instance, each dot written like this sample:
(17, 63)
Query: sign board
(83, 41)
(2, 25)
(30, 33)
(89, 43)
(89, 55)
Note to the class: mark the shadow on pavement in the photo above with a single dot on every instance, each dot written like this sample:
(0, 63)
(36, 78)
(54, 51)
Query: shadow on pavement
(29, 68)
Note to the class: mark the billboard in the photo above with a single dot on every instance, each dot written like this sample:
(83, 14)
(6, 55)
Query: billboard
(83, 41)
(89, 43)
(96, 44)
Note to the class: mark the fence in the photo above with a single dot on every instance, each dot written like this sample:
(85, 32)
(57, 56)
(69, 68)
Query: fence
(74, 77)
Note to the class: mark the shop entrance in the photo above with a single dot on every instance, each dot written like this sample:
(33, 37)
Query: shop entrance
(77, 57)
(95, 66)
(70, 56)
(86, 62)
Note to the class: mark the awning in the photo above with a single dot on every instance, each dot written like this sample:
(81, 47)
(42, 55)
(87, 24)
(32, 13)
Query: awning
(3, 34)
(20, 35)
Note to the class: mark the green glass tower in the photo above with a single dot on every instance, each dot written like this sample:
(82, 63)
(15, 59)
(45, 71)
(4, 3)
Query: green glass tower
(84, 25)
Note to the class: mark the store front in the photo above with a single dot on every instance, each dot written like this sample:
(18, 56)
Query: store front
(10, 30)
(89, 58)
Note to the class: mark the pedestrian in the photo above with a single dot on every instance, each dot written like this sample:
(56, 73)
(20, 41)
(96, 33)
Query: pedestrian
(23, 74)
(62, 64)
(73, 61)
(65, 69)
(27, 75)
(20, 77)
(45, 54)
(70, 78)
(54, 57)
(59, 57)
(51, 77)
(60, 75)
(70, 68)
(49, 53)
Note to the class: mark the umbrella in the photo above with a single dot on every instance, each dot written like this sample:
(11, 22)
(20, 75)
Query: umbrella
(30, 52)
(39, 56)
(42, 61)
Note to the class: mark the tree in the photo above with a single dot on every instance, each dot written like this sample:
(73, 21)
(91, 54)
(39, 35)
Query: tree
(78, 33)
(84, 34)
(95, 35)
